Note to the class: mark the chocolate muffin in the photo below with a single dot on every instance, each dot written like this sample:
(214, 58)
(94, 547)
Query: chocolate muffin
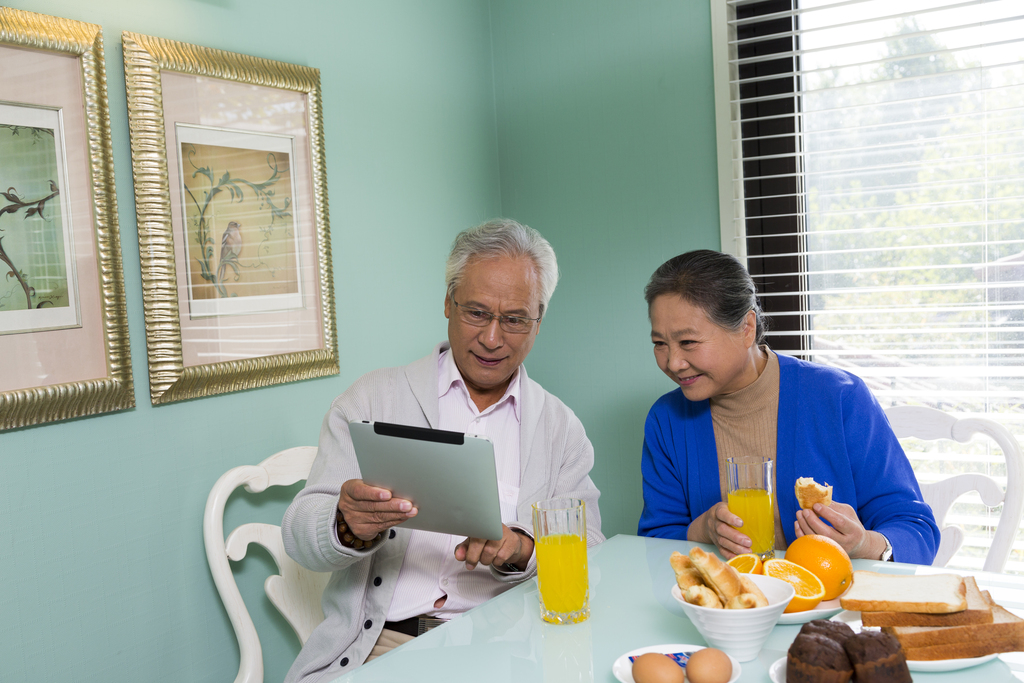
(877, 658)
(817, 658)
(835, 630)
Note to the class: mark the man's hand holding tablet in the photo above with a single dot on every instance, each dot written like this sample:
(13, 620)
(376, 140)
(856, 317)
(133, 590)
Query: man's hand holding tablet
(514, 549)
(369, 510)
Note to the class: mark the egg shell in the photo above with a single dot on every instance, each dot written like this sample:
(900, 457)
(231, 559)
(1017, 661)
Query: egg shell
(655, 667)
(709, 666)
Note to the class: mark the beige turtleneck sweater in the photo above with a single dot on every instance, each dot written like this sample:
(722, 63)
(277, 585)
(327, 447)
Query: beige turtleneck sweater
(745, 423)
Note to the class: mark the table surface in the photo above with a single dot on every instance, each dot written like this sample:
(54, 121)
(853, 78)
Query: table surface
(630, 607)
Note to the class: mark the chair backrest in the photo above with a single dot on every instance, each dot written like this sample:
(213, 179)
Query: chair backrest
(295, 591)
(930, 424)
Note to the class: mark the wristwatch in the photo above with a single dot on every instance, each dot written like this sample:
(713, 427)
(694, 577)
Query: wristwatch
(887, 553)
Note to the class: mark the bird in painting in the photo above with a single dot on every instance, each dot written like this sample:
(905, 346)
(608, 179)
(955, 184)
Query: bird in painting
(230, 248)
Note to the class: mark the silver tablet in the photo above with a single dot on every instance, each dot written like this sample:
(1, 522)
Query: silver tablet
(449, 476)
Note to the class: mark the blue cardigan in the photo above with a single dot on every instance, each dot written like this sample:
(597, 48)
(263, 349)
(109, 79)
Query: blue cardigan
(830, 427)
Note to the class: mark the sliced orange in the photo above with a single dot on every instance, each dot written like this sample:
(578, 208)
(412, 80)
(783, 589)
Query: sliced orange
(826, 559)
(747, 563)
(809, 589)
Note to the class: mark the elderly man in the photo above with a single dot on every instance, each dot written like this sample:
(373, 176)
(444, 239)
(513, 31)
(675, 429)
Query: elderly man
(391, 583)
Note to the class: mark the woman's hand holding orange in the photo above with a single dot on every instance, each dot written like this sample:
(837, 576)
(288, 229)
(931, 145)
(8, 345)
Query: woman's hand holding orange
(846, 529)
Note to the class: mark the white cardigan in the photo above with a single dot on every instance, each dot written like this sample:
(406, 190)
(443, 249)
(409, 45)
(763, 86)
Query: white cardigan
(555, 461)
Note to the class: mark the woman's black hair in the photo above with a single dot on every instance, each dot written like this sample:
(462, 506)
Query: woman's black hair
(716, 283)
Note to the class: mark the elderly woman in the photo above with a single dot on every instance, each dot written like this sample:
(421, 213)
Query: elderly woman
(736, 397)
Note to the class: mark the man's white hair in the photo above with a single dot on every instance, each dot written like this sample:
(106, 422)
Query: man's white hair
(503, 237)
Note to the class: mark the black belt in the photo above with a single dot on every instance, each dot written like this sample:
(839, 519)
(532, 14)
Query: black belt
(413, 626)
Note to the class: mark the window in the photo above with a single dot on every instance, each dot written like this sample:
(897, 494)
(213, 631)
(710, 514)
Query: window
(876, 150)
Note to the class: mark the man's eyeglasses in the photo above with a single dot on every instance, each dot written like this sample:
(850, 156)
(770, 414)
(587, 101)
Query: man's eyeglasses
(513, 324)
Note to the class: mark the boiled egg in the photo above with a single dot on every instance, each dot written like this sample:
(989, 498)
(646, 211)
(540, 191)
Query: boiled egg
(655, 667)
(708, 666)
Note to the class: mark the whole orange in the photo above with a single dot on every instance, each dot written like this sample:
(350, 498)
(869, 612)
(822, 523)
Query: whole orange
(824, 558)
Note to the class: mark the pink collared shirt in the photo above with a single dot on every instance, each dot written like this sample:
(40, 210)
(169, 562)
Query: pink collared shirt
(430, 570)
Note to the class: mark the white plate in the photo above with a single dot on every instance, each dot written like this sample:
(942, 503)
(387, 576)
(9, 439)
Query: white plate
(852, 619)
(623, 668)
(948, 664)
(777, 671)
(824, 610)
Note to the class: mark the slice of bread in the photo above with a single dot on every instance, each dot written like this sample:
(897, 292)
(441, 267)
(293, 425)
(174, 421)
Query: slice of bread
(1004, 634)
(809, 492)
(930, 593)
(979, 611)
(1004, 626)
(963, 650)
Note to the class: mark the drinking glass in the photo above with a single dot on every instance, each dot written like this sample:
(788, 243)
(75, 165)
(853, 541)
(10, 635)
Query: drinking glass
(750, 499)
(560, 538)
(567, 654)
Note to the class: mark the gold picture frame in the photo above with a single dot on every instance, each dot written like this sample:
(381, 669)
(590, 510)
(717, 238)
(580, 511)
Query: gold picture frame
(218, 324)
(62, 252)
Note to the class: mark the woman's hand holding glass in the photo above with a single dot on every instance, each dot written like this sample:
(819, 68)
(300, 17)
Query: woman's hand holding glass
(718, 526)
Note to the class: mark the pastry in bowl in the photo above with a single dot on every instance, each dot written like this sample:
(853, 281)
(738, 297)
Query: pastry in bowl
(705, 580)
(740, 632)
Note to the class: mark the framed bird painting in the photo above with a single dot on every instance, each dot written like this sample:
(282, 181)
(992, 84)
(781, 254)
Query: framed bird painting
(64, 348)
(231, 201)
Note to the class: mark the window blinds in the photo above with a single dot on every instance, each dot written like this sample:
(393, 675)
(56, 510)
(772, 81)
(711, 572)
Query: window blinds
(878, 185)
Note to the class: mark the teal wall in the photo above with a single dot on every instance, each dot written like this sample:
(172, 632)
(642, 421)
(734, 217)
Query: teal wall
(591, 121)
(606, 143)
(104, 577)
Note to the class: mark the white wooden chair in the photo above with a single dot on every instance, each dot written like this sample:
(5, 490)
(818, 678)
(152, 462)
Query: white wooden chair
(296, 591)
(930, 424)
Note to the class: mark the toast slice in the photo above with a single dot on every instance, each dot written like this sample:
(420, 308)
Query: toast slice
(1008, 638)
(1004, 626)
(979, 611)
(963, 650)
(929, 593)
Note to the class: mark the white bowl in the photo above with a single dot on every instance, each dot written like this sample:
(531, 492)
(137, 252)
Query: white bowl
(741, 632)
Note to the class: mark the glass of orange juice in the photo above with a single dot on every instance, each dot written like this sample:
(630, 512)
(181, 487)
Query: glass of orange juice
(750, 499)
(560, 538)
